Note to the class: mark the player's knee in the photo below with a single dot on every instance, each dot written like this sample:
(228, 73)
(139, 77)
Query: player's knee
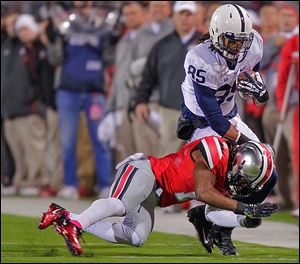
(137, 239)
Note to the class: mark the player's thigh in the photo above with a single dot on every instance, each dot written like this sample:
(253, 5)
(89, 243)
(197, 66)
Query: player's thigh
(134, 182)
(203, 132)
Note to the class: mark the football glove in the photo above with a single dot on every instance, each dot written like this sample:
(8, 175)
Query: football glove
(254, 88)
(256, 210)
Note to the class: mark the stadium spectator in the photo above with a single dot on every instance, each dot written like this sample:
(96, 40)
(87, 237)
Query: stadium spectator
(290, 55)
(8, 21)
(171, 50)
(134, 14)
(288, 26)
(81, 87)
(24, 75)
(201, 13)
(211, 7)
(268, 15)
(157, 72)
(53, 179)
(159, 26)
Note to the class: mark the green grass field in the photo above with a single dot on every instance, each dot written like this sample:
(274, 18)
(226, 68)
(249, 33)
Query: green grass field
(284, 217)
(22, 241)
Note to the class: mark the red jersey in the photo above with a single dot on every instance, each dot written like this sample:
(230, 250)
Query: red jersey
(174, 172)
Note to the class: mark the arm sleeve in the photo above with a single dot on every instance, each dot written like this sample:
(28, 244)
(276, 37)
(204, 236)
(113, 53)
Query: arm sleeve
(149, 77)
(211, 109)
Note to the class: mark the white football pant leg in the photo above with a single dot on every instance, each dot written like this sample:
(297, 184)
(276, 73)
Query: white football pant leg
(223, 217)
(134, 230)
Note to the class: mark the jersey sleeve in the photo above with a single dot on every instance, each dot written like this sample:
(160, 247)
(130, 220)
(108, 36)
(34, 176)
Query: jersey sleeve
(200, 71)
(211, 150)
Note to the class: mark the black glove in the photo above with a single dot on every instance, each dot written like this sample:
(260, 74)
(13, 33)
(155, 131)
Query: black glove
(256, 210)
(254, 88)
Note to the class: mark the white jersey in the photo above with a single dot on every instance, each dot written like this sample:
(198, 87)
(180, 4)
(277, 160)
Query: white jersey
(208, 68)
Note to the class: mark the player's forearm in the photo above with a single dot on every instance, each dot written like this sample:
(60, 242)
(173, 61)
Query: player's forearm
(214, 198)
(234, 135)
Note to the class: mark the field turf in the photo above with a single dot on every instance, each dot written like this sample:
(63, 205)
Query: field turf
(22, 241)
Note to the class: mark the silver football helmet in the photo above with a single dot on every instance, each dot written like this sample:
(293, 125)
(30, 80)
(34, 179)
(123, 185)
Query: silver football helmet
(251, 168)
(231, 31)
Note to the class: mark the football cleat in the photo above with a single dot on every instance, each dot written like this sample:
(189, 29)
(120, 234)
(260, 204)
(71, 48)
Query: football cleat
(54, 213)
(196, 216)
(222, 239)
(71, 233)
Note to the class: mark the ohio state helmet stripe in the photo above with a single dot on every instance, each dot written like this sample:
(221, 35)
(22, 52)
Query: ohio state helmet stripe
(242, 18)
(266, 169)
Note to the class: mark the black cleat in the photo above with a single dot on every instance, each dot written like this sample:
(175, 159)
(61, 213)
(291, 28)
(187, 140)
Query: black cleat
(222, 239)
(196, 216)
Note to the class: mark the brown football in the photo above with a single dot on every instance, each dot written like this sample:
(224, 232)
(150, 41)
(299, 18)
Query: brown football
(242, 77)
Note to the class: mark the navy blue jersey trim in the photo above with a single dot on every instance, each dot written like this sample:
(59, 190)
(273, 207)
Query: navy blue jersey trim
(242, 17)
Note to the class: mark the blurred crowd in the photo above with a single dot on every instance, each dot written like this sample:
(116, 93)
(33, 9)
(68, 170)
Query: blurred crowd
(84, 84)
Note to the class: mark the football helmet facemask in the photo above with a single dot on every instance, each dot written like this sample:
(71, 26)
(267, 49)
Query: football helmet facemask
(250, 169)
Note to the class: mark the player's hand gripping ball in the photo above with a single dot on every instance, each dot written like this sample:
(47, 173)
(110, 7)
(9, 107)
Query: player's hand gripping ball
(242, 78)
(250, 85)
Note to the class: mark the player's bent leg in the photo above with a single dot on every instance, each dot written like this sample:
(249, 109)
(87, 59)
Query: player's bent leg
(134, 184)
(222, 239)
(223, 224)
(99, 210)
(134, 230)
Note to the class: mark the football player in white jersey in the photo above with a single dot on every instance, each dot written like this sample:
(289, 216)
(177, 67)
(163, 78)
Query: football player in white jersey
(230, 47)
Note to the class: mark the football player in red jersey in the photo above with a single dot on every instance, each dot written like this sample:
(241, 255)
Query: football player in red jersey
(210, 170)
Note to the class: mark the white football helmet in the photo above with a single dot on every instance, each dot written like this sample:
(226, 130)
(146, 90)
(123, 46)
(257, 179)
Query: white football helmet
(231, 31)
(251, 168)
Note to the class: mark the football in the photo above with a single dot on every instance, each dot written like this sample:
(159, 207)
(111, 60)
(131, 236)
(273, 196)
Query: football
(242, 77)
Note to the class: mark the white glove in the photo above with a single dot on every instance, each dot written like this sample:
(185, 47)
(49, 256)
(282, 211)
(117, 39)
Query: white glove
(136, 156)
(107, 127)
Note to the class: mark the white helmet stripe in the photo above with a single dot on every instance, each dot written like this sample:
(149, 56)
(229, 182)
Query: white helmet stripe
(264, 166)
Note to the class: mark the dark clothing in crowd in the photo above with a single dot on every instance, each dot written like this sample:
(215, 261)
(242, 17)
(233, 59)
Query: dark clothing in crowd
(164, 69)
(26, 80)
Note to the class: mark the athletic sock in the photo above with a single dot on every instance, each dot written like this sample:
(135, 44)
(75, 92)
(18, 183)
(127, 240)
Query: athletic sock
(104, 230)
(98, 210)
(224, 218)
